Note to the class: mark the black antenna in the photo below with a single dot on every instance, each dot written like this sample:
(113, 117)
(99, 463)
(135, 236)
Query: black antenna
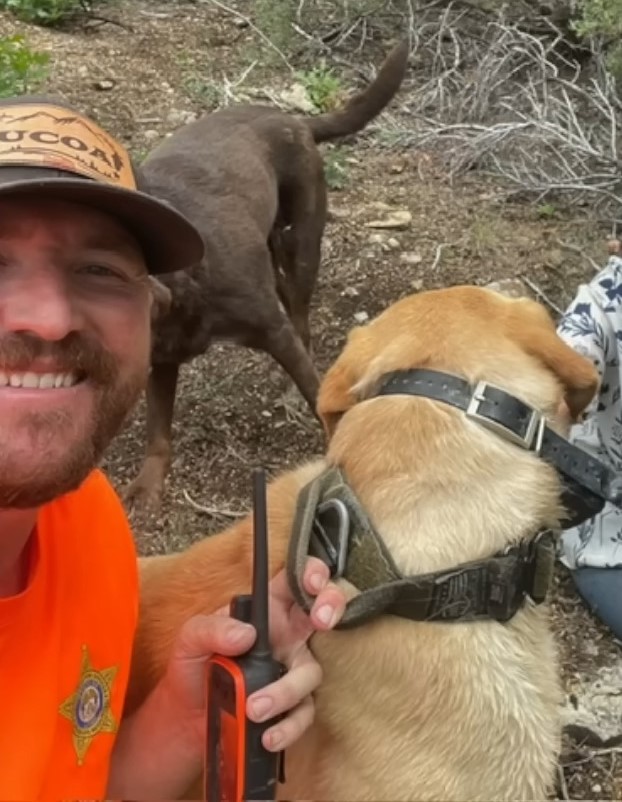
(259, 605)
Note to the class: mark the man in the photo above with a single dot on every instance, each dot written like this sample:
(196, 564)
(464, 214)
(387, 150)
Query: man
(592, 325)
(78, 248)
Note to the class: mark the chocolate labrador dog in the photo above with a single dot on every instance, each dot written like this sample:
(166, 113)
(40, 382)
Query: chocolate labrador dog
(251, 179)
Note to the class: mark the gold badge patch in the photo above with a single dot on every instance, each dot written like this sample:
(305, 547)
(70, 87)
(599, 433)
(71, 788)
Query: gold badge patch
(88, 708)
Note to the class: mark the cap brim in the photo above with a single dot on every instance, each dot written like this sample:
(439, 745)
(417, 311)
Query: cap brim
(169, 241)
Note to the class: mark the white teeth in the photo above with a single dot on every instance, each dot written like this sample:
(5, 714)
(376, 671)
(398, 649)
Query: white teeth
(47, 380)
(30, 380)
(40, 381)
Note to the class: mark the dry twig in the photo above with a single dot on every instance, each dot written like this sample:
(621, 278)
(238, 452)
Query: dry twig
(506, 101)
(541, 294)
(221, 513)
(252, 26)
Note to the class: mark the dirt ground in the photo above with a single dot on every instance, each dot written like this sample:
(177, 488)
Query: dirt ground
(170, 60)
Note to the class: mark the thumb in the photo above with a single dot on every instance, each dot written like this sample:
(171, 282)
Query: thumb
(202, 635)
(199, 638)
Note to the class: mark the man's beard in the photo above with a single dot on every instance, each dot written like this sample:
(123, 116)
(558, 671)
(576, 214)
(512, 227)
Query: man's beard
(114, 399)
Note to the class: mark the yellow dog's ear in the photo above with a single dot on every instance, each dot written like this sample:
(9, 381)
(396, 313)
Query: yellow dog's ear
(161, 299)
(336, 395)
(577, 374)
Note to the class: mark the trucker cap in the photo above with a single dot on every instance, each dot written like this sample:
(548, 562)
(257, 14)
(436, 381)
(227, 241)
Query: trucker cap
(48, 149)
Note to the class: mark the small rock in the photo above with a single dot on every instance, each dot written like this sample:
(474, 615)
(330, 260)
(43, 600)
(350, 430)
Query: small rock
(597, 788)
(240, 23)
(350, 292)
(361, 317)
(297, 98)
(396, 168)
(151, 134)
(181, 117)
(417, 284)
(512, 287)
(338, 213)
(377, 239)
(83, 71)
(400, 218)
(266, 413)
(411, 258)
(104, 86)
(393, 243)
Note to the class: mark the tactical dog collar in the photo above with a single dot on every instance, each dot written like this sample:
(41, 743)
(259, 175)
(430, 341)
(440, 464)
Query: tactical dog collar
(331, 524)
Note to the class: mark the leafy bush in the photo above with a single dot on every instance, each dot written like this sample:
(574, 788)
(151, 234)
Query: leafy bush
(48, 13)
(21, 69)
(601, 20)
(323, 87)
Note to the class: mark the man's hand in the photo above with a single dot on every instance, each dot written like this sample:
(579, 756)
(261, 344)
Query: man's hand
(160, 749)
(290, 629)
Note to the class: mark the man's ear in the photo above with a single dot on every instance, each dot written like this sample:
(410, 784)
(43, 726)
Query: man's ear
(161, 299)
(575, 371)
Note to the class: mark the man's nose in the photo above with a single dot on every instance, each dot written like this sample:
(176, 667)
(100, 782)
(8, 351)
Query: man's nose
(37, 302)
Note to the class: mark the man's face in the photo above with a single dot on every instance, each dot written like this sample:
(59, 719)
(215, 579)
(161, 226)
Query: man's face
(74, 343)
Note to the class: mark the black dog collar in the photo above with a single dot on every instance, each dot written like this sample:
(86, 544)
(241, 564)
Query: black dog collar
(588, 483)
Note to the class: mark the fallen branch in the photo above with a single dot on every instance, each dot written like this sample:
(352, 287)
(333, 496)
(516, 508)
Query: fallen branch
(541, 294)
(253, 27)
(213, 511)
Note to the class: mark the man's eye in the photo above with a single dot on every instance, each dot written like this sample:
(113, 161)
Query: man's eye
(100, 270)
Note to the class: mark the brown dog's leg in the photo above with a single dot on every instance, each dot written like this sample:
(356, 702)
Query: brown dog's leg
(301, 243)
(146, 490)
(286, 347)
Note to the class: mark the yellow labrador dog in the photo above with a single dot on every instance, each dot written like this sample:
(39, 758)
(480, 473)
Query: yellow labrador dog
(442, 683)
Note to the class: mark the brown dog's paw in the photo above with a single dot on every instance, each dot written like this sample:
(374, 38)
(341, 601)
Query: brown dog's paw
(144, 494)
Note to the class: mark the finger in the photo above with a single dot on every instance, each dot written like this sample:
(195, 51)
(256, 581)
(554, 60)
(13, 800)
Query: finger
(288, 691)
(328, 608)
(314, 579)
(288, 731)
(315, 576)
(202, 635)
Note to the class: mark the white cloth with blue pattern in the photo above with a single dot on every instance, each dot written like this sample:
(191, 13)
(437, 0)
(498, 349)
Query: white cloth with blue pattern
(592, 325)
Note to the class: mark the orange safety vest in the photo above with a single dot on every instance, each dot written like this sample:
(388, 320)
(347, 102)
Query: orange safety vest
(65, 649)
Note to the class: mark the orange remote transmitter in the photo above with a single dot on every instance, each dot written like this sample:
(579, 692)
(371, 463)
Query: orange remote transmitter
(238, 767)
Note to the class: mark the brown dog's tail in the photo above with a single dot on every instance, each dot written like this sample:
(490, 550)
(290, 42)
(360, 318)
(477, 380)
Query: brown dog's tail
(363, 107)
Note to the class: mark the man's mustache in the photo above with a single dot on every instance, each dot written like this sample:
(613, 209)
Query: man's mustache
(75, 353)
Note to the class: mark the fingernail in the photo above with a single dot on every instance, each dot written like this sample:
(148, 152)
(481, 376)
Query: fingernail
(276, 740)
(239, 633)
(261, 707)
(317, 582)
(325, 614)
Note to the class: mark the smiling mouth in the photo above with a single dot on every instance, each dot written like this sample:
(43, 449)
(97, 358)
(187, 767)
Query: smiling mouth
(40, 381)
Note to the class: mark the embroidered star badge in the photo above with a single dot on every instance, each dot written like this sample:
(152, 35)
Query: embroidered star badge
(88, 708)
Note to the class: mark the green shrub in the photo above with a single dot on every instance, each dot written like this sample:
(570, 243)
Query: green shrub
(43, 12)
(602, 20)
(323, 87)
(21, 69)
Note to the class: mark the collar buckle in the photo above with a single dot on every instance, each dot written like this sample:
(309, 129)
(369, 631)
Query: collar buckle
(530, 440)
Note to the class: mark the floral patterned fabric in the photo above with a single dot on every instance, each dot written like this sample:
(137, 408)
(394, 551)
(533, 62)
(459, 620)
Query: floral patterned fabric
(592, 325)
